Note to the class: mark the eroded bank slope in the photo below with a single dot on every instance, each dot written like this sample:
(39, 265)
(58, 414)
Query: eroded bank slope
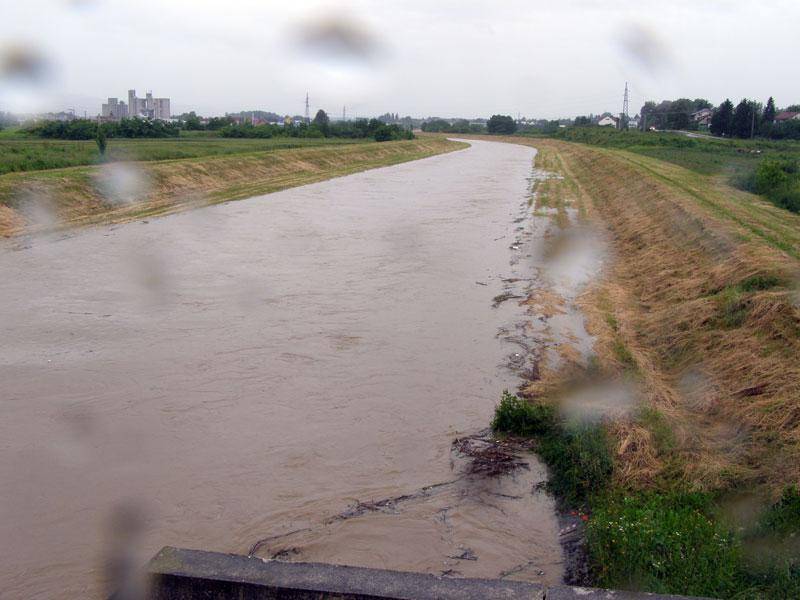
(118, 192)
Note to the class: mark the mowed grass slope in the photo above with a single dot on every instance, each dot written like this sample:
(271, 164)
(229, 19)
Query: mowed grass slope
(115, 192)
(21, 153)
(698, 310)
(701, 306)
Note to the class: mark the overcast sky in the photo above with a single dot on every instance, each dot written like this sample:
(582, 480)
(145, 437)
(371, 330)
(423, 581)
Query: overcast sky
(434, 57)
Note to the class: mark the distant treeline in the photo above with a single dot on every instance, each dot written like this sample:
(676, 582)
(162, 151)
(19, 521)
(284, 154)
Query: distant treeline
(744, 120)
(672, 114)
(457, 126)
(750, 119)
(497, 124)
(85, 129)
(320, 127)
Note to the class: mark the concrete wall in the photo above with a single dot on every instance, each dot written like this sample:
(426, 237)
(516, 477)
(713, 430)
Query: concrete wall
(179, 574)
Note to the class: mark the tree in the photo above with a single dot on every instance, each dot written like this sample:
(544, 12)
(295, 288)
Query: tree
(216, 123)
(101, 140)
(501, 124)
(322, 121)
(722, 119)
(192, 122)
(435, 125)
(744, 118)
(769, 111)
(679, 113)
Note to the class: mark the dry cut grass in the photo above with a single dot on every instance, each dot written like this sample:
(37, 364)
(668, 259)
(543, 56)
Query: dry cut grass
(700, 308)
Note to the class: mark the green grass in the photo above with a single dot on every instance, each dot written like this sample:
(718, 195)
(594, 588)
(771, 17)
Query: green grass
(578, 455)
(739, 161)
(732, 300)
(518, 417)
(783, 517)
(34, 154)
(579, 458)
(732, 308)
(666, 539)
(656, 423)
(665, 543)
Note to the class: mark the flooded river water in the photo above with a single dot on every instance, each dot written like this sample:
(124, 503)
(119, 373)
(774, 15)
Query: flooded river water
(284, 374)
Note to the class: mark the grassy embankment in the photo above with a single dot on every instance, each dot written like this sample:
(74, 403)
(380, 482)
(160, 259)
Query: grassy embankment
(698, 311)
(84, 195)
(20, 152)
(767, 167)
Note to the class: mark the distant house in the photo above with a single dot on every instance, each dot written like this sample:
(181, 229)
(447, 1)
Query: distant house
(703, 117)
(607, 121)
(787, 116)
(633, 122)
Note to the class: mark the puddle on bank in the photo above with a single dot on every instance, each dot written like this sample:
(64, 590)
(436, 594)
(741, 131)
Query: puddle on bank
(555, 256)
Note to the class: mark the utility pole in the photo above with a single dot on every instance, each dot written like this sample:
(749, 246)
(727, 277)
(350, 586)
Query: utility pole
(344, 113)
(623, 118)
(308, 115)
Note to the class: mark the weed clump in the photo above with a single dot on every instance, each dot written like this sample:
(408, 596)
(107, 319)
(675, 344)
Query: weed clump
(783, 517)
(519, 417)
(732, 308)
(758, 283)
(578, 454)
(580, 461)
(665, 543)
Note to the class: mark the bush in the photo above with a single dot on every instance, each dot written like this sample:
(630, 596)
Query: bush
(731, 308)
(501, 124)
(771, 174)
(664, 543)
(779, 181)
(580, 461)
(250, 131)
(384, 134)
(783, 517)
(578, 455)
(519, 417)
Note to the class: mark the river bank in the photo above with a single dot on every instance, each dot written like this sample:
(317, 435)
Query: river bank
(678, 436)
(117, 192)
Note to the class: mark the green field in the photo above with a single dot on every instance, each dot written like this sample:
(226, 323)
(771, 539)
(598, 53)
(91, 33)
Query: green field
(705, 155)
(770, 168)
(21, 153)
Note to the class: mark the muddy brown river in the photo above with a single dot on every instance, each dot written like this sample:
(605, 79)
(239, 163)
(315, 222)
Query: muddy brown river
(284, 374)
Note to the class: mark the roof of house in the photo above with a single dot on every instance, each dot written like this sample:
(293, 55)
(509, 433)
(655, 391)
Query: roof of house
(786, 115)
